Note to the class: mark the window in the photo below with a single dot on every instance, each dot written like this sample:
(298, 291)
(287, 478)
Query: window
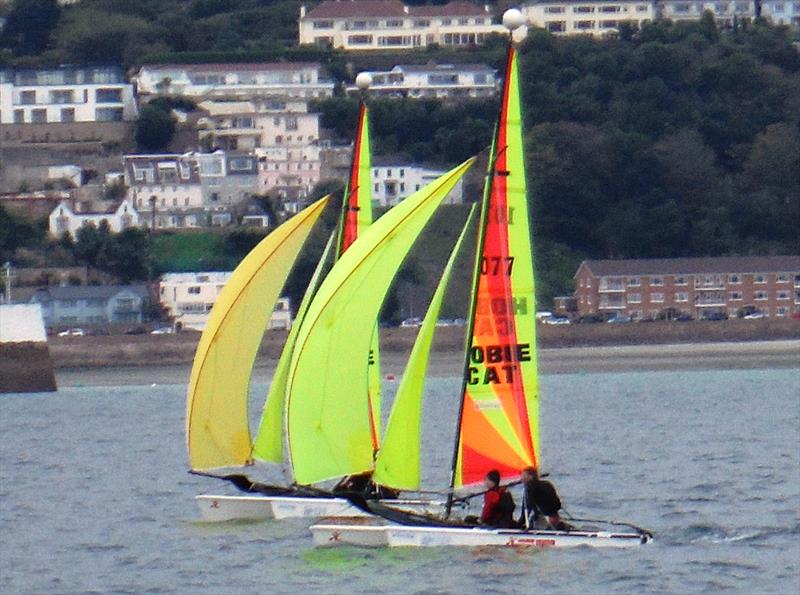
(27, 97)
(61, 96)
(422, 23)
(377, 187)
(735, 296)
(108, 114)
(680, 280)
(323, 24)
(108, 96)
(68, 303)
(634, 298)
(39, 116)
(241, 164)
(584, 25)
(656, 281)
(782, 278)
(19, 116)
(761, 295)
(291, 123)
(359, 39)
(583, 9)
(781, 311)
(760, 279)
(656, 298)
(394, 23)
(783, 295)
(681, 296)
(554, 9)
(634, 282)
(194, 290)
(68, 114)
(734, 279)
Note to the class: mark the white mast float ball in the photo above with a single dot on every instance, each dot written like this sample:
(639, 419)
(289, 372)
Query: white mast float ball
(363, 81)
(513, 19)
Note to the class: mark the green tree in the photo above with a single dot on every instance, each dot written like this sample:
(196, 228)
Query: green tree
(155, 128)
(29, 26)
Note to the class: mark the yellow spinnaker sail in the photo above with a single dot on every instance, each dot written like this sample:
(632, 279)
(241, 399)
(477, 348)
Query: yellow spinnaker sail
(328, 417)
(398, 462)
(217, 427)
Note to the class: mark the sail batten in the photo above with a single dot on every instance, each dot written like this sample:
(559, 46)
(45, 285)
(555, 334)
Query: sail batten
(328, 416)
(498, 423)
(217, 425)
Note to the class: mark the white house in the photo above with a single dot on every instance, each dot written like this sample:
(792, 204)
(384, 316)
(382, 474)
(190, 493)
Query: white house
(390, 24)
(440, 81)
(391, 183)
(724, 12)
(189, 298)
(302, 80)
(190, 190)
(64, 219)
(592, 17)
(781, 12)
(66, 95)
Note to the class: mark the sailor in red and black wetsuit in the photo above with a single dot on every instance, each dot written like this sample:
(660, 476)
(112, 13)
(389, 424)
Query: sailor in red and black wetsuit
(498, 505)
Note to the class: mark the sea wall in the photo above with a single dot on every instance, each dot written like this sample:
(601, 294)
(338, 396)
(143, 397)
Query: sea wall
(165, 350)
(25, 363)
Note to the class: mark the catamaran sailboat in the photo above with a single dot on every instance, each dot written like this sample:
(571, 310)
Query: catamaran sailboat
(498, 415)
(218, 435)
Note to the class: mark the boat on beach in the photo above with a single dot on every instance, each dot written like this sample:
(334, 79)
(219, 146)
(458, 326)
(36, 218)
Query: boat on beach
(498, 424)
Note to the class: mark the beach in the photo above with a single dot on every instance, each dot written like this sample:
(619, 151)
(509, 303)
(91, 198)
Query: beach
(565, 360)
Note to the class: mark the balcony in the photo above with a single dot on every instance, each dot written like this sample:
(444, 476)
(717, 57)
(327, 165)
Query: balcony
(611, 286)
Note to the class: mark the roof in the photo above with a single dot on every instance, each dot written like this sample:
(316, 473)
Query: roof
(234, 66)
(83, 292)
(458, 68)
(339, 9)
(688, 266)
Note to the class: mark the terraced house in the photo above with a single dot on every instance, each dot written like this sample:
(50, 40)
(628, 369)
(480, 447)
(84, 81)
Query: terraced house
(702, 288)
(390, 24)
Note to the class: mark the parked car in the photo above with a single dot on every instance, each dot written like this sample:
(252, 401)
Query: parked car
(715, 316)
(755, 315)
(73, 332)
(136, 330)
(411, 322)
(619, 318)
(556, 320)
(164, 330)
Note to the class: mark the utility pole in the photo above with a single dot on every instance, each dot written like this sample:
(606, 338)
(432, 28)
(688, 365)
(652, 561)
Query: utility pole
(7, 268)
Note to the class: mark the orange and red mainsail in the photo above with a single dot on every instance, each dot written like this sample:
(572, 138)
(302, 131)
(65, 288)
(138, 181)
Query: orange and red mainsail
(499, 415)
(356, 217)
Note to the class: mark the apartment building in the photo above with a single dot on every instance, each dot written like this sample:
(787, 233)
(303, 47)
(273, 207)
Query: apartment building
(699, 287)
(300, 80)
(393, 182)
(437, 81)
(67, 104)
(67, 218)
(594, 17)
(724, 12)
(390, 24)
(190, 190)
(189, 297)
(283, 135)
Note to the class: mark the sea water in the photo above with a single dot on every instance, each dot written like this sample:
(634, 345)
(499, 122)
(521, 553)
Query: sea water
(95, 497)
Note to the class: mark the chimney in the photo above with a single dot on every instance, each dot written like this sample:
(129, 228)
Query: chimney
(405, 9)
(486, 8)
(302, 11)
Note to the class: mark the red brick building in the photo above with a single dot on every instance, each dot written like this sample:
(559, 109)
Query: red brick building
(699, 287)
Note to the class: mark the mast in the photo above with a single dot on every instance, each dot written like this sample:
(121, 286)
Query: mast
(499, 381)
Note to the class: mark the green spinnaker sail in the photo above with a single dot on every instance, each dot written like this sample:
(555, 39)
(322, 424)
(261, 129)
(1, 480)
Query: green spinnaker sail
(328, 416)
(398, 462)
(268, 444)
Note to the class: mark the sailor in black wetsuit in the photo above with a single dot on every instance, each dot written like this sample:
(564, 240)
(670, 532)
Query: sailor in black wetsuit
(540, 503)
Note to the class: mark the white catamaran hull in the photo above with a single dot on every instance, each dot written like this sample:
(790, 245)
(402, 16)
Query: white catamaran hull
(327, 535)
(229, 508)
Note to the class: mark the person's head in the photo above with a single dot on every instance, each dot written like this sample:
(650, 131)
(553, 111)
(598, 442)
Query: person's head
(529, 474)
(493, 478)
